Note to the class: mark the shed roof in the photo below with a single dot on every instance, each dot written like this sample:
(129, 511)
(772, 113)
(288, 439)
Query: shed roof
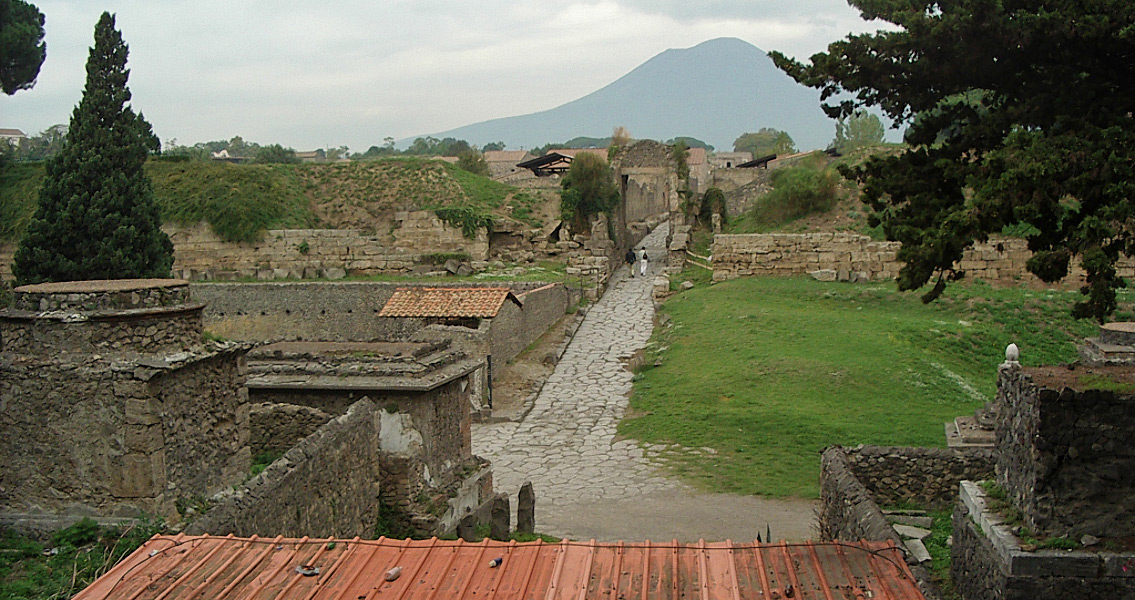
(181, 567)
(511, 156)
(695, 156)
(419, 302)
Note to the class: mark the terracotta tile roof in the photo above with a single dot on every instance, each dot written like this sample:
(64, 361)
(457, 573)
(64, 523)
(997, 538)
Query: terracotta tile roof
(447, 302)
(511, 156)
(183, 567)
(695, 156)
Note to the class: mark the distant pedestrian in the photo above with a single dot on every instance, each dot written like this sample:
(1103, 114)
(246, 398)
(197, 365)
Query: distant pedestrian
(630, 258)
(642, 265)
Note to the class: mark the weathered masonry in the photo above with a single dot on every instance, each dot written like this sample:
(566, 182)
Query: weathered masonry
(113, 404)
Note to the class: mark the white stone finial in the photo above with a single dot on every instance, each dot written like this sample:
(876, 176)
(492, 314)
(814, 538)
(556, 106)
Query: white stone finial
(1012, 354)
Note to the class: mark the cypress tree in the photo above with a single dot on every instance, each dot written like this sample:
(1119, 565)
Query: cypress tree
(97, 217)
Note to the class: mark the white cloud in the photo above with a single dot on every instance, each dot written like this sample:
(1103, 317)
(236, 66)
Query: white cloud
(352, 72)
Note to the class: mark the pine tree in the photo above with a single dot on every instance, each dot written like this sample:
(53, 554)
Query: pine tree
(97, 217)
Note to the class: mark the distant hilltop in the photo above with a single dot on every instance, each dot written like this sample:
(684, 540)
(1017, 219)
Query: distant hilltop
(714, 92)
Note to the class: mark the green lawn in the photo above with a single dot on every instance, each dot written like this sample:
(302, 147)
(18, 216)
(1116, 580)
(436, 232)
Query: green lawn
(767, 372)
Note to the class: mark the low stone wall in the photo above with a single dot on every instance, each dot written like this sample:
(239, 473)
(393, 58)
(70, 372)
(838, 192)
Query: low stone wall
(326, 486)
(848, 510)
(928, 477)
(987, 562)
(147, 330)
(783, 254)
(515, 327)
(341, 311)
(1066, 458)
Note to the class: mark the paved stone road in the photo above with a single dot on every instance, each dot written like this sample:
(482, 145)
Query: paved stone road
(587, 482)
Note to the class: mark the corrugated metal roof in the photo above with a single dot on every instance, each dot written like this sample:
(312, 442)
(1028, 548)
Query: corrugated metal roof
(483, 303)
(186, 567)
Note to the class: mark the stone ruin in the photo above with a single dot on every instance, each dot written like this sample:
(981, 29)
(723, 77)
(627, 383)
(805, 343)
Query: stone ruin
(113, 404)
(424, 391)
(1066, 468)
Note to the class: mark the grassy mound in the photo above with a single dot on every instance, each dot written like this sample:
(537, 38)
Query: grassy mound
(240, 202)
(766, 372)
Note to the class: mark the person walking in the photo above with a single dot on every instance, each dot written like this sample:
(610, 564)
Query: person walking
(642, 265)
(630, 258)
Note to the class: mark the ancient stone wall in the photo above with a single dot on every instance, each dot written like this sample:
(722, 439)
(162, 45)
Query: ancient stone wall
(928, 477)
(1066, 458)
(728, 180)
(515, 327)
(7, 251)
(318, 253)
(847, 255)
(848, 510)
(113, 404)
(743, 198)
(118, 437)
(988, 562)
(278, 427)
(326, 311)
(441, 415)
(648, 179)
(328, 485)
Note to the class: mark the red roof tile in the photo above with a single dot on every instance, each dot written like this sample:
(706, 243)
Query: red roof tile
(183, 567)
(695, 156)
(447, 302)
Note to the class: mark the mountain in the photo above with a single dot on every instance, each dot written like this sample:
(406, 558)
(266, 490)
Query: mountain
(714, 91)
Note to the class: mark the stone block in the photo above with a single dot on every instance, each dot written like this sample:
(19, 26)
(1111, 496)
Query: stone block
(917, 550)
(139, 476)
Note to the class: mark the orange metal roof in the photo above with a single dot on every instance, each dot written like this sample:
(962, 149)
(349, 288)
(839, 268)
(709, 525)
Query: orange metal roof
(184, 567)
(446, 302)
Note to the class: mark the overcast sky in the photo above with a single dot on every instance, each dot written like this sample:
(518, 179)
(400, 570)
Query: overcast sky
(352, 72)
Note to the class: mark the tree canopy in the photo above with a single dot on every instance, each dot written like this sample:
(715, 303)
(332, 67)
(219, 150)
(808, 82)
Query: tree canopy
(588, 189)
(22, 49)
(1019, 113)
(861, 129)
(97, 218)
(764, 142)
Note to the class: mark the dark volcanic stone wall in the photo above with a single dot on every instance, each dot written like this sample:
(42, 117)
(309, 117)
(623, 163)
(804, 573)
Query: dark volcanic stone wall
(1067, 457)
(924, 476)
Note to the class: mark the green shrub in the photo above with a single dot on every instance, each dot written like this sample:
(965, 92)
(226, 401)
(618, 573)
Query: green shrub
(797, 192)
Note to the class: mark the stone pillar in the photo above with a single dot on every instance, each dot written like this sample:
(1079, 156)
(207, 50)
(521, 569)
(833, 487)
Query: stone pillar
(526, 509)
(500, 518)
(467, 529)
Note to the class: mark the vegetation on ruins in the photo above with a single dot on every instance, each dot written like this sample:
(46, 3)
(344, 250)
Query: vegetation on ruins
(751, 370)
(764, 142)
(809, 187)
(72, 560)
(474, 162)
(1017, 117)
(588, 189)
(22, 49)
(241, 201)
(97, 218)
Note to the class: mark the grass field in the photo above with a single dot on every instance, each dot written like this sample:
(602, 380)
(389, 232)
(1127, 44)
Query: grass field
(767, 372)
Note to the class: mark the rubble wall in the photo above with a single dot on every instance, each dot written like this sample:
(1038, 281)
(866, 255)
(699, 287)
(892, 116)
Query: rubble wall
(928, 477)
(117, 438)
(326, 486)
(1066, 458)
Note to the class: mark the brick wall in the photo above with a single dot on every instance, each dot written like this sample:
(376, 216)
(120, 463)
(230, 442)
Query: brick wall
(782, 254)
(326, 486)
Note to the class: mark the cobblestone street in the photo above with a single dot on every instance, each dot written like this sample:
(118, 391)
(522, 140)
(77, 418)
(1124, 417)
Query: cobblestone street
(588, 483)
